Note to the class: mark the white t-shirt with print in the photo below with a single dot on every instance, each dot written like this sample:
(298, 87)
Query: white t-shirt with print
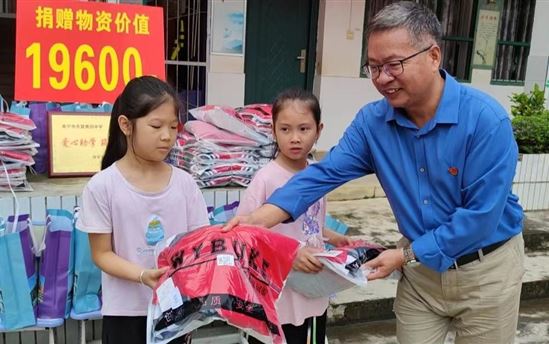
(137, 221)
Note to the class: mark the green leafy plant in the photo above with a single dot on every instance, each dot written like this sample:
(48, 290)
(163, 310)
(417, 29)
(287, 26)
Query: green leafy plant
(530, 121)
(528, 104)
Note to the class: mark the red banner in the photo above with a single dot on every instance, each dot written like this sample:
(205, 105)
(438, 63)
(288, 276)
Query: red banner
(73, 51)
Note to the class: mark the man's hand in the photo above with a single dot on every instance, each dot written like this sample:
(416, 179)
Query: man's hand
(266, 216)
(235, 221)
(305, 261)
(387, 262)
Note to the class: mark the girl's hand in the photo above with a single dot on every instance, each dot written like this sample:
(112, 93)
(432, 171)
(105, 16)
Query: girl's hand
(150, 277)
(340, 240)
(305, 261)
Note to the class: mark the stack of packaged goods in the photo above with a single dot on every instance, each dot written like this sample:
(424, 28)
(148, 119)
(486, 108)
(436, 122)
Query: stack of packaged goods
(257, 116)
(224, 146)
(16, 151)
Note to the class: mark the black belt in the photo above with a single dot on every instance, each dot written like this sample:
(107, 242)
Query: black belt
(471, 257)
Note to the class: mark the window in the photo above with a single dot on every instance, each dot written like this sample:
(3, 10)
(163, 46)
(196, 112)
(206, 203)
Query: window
(513, 47)
(458, 29)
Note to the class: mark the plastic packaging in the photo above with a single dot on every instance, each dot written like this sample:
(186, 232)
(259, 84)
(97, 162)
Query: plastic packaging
(234, 276)
(341, 271)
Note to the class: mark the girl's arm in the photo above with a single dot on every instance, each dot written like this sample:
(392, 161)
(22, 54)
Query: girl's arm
(335, 238)
(109, 262)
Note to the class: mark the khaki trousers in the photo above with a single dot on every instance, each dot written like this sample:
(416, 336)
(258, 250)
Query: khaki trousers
(479, 300)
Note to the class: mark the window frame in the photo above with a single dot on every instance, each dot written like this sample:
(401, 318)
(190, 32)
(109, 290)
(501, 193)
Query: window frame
(525, 44)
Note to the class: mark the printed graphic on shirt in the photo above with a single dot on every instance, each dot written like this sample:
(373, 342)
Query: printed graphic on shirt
(311, 227)
(154, 231)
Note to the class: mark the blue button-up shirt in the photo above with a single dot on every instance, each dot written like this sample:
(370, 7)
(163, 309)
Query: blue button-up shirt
(448, 182)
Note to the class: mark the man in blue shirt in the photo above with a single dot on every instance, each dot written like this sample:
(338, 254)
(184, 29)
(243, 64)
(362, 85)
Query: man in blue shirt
(445, 156)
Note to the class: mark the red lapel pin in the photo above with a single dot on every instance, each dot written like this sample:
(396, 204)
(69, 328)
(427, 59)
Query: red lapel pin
(453, 171)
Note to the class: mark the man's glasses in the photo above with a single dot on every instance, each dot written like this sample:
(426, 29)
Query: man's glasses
(391, 68)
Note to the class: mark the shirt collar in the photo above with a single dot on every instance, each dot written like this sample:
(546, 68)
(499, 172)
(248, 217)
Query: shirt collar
(447, 109)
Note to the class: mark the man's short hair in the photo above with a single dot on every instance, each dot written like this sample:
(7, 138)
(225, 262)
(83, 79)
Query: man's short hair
(420, 22)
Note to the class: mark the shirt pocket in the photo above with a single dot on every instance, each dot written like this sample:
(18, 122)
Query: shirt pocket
(446, 173)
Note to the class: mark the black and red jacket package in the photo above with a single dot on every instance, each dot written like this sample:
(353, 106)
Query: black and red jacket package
(234, 276)
(342, 270)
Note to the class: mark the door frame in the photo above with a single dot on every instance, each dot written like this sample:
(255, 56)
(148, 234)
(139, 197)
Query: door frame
(311, 48)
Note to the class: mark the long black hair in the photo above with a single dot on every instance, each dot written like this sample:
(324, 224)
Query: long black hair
(140, 96)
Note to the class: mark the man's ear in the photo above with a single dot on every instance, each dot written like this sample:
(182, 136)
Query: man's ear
(125, 125)
(436, 56)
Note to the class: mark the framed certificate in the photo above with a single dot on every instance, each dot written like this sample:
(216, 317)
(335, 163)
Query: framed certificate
(77, 142)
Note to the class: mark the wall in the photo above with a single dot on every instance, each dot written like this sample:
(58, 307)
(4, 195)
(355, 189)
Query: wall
(225, 84)
(337, 82)
(225, 74)
(537, 71)
(340, 99)
(342, 38)
(480, 79)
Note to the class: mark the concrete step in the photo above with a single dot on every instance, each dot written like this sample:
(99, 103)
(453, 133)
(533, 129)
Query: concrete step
(536, 231)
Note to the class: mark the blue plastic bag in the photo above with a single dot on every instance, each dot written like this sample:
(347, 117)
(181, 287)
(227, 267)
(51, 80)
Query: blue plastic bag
(20, 108)
(86, 295)
(335, 225)
(17, 276)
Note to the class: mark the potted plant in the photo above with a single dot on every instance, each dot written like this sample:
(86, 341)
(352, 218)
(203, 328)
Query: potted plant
(531, 128)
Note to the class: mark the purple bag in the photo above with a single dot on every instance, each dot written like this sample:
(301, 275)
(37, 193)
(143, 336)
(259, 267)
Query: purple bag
(39, 114)
(56, 266)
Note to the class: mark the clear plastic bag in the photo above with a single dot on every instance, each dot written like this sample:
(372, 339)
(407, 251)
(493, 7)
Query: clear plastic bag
(341, 271)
